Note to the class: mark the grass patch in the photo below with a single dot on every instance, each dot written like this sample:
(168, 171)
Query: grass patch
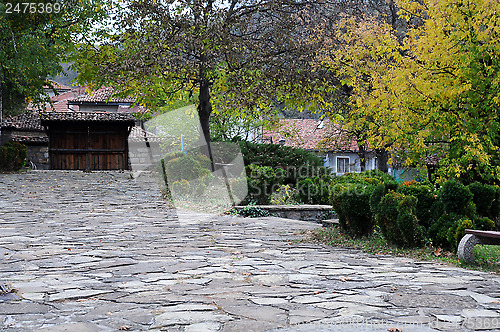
(488, 257)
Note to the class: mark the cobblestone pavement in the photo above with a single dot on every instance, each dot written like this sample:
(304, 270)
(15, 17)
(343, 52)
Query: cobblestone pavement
(101, 252)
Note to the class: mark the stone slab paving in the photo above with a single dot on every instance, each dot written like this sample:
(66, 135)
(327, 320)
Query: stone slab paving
(102, 252)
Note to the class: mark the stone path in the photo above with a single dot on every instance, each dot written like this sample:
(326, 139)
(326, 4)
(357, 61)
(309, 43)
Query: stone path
(101, 252)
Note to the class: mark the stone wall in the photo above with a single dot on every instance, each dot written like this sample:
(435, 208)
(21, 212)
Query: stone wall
(39, 156)
(37, 141)
(141, 157)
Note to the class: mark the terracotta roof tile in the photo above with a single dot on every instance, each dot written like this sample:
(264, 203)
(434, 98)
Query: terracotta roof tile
(137, 134)
(103, 95)
(310, 134)
(25, 121)
(87, 116)
(58, 86)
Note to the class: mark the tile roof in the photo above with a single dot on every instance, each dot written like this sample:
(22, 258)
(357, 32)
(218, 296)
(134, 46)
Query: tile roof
(25, 121)
(137, 134)
(58, 86)
(87, 116)
(103, 95)
(33, 120)
(310, 134)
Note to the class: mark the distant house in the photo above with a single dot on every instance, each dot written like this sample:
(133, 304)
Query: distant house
(339, 153)
(102, 100)
(81, 131)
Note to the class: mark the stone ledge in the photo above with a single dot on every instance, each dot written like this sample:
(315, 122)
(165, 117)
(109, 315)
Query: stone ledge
(298, 212)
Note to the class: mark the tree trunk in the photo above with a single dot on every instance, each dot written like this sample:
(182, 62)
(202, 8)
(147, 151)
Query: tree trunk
(382, 158)
(430, 172)
(204, 111)
(1, 112)
(362, 157)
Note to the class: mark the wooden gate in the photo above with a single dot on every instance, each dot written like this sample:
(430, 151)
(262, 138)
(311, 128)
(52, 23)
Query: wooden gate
(88, 146)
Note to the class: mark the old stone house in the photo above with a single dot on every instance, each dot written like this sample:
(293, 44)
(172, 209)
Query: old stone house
(86, 131)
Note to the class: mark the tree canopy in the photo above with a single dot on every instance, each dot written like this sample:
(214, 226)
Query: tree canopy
(34, 41)
(240, 55)
(432, 91)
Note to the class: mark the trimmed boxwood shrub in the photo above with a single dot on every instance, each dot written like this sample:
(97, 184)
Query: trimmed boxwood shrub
(315, 190)
(484, 196)
(455, 211)
(12, 156)
(456, 198)
(408, 223)
(380, 191)
(353, 197)
(186, 167)
(387, 216)
(294, 163)
(263, 181)
(275, 155)
(352, 205)
(424, 192)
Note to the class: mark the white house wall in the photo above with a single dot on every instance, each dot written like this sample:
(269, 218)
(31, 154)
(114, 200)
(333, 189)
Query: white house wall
(354, 161)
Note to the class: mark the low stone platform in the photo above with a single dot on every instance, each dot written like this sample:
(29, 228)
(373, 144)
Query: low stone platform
(306, 212)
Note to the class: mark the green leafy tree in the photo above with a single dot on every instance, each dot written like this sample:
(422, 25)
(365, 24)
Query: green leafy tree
(35, 38)
(433, 89)
(242, 56)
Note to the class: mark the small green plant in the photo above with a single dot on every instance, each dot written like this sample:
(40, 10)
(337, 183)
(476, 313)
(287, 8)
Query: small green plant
(284, 195)
(262, 182)
(12, 156)
(252, 211)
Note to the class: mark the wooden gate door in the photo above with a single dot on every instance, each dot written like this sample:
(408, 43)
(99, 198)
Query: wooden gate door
(88, 146)
(107, 148)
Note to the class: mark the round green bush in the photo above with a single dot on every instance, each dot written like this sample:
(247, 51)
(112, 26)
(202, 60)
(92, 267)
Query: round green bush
(352, 206)
(413, 234)
(456, 197)
(262, 182)
(442, 231)
(181, 187)
(184, 168)
(425, 199)
(387, 217)
(483, 196)
(315, 190)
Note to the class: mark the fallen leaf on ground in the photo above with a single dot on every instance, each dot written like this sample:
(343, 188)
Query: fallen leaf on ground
(394, 329)
(124, 328)
(344, 279)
